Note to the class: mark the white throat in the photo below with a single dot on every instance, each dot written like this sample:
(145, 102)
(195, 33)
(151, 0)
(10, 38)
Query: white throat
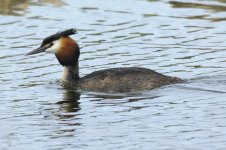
(71, 73)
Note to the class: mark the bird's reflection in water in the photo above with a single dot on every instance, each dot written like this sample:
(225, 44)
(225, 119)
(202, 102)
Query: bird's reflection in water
(67, 115)
(69, 104)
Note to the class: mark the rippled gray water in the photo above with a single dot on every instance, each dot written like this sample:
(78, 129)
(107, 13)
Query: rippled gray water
(178, 38)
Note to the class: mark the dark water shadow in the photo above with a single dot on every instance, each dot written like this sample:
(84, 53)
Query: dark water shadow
(20, 7)
(13, 7)
(217, 8)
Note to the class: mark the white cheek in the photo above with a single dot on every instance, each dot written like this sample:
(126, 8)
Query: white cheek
(54, 48)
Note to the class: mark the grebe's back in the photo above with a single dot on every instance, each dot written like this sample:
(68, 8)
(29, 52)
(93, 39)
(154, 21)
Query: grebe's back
(125, 80)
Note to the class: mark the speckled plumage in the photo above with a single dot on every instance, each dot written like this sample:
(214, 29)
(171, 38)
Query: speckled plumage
(125, 80)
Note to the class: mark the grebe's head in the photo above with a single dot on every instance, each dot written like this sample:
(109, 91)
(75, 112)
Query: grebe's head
(65, 48)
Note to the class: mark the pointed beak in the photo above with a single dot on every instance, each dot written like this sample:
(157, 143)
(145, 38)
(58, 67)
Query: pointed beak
(38, 50)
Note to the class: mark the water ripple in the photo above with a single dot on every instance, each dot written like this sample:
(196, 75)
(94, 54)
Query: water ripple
(39, 111)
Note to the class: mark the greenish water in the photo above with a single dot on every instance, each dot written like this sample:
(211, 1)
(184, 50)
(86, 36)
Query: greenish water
(178, 38)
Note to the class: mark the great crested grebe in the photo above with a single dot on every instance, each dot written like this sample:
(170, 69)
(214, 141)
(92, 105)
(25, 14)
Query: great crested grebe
(128, 79)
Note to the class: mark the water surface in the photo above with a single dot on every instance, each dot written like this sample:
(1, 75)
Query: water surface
(178, 38)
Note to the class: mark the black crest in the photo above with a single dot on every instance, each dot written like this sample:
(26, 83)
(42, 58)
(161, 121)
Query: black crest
(57, 36)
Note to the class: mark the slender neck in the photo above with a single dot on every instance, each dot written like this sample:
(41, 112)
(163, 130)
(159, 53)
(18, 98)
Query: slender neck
(71, 73)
